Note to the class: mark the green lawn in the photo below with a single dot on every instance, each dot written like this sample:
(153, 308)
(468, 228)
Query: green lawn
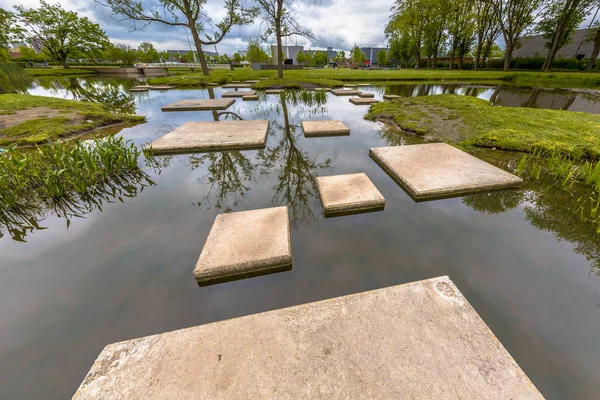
(336, 77)
(469, 121)
(43, 119)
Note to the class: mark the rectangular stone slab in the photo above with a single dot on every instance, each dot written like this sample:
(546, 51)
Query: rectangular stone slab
(247, 242)
(324, 128)
(137, 90)
(273, 91)
(420, 340)
(350, 85)
(390, 96)
(161, 87)
(366, 95)
(199, 105)
(213, 136)
(364, 84)
(345, 92)
(238, 94)
(349, 194)
(252, 81)
(237, 85)
(250, 97)
(362, 102)
(439, 170)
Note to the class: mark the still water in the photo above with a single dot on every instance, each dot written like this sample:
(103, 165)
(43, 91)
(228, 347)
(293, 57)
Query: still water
(527, 266)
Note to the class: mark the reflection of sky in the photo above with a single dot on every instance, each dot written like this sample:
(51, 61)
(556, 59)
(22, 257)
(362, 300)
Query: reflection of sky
(127, 271)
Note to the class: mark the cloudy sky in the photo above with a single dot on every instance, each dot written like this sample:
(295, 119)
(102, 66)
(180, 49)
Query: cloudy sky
(336, 23)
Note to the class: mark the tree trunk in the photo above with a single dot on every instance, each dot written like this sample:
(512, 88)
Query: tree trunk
(453, 52)
(595, 52)
(508, 56)
(478, 54)
(554, 48)
(434, 59)
(279, 49)
(198, 45)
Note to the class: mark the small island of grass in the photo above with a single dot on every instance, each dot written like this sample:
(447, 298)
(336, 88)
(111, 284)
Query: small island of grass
(27, 120)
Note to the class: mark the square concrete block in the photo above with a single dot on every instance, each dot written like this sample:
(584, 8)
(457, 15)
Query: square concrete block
(245, 243)
(199, 105)
(250, 97)
(161, 87)
(366, 95)
(273, 91)
(213, 136)
(420, 340)
(237, 85)
(324, 128)
(391, 96)
(440, 170)
(349, 194)
(345, 92)
(238, 94)
(363, 102)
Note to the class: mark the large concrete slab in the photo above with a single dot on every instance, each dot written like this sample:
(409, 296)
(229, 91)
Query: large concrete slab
(161, 87)
(349, 194)
(439, 170)
(250, 97)
(366, 95)
(238, 93)
(390, 96)
(324, 128)
(350, 85)
(362, 102)
(138, 90)
(245, 243)
(237, 85)
(273, 91)
(213, 136)
(364, 84)
(421, 340)
(345, 92)
(199, 105)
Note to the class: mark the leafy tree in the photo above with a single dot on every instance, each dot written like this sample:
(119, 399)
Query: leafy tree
(409, 18)
(558, 22)
(237, 58)
(595, 37)
(487, 31)
(255, 53)
(301, 57)
(164, 56)
(27, 53)
(309, 59)
(461, 29)
(321, 59)
(9, 32)
(279, 22)
(435, 29)
(146, 53)
(123, 53)
(358, 57)
(401, 49)
(190, 14)
(382, 57)
(340, 57)
(514, 17)
(63, 33)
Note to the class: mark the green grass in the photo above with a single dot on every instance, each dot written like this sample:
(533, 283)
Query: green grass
(468, 121)
(75, 117)
(336, 77)
(56, 71)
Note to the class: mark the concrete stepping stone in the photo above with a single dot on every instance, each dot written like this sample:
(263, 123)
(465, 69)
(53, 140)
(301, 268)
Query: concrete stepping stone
(213, 136)
(366, 95)
(199, 105)
(161, 87)
(349, 194)
(391, 96)
(364, 84)
(420, 340)
(439, 170)
(324, 128)
(238, 94)
(237, 86)
(250, 97)
(253, 81)
(345, 92)
(350, 85)
(137, 90)
(363, 102)
(273, 91)
(212, 84)
(141, 87)
(245, 243)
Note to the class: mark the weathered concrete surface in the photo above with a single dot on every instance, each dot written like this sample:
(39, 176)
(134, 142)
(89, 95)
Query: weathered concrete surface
(238, 93)
(345, 194)
(390, 96)
(199, 105)
(366, 95)
(439, 170)
(161, 87)
(364, 84)
(421, 340)
(213, 136)
(350, 85)
(250, 97)
(141, 87)
(273, 91)
(324, 128)
(245, 242)
(212, 84)
(252, 81)
(237, 85)
(345, 92)
(362, 102)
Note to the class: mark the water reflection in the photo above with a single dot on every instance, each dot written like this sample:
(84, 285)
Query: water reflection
(13, 79)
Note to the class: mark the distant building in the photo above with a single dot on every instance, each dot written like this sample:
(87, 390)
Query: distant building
(332, 54)
(289, 52)
(535, 46)
(371, 53)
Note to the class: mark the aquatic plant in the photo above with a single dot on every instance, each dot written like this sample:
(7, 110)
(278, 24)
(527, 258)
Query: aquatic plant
(69, 180)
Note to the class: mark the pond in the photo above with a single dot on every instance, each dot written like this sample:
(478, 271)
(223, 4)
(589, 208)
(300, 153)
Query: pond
(124, 270)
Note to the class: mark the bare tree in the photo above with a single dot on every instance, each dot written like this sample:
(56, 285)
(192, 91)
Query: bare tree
(280, 22)
(514, 17)
(185, 13)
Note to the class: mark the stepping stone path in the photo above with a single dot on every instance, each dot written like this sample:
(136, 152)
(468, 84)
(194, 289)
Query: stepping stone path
(158, 87)
(238, 94)
(345, 92)
(366, 95)
(245, 243)
(363, 102)
(213, 136)
(350, 85)
(199, 105)
(438, 170)
(364, 84)
(250, 97)
(273, 91)
(349, 194)
(420, 340)
(390, 96)
(237, 86)
(251, 81)
(324, 128)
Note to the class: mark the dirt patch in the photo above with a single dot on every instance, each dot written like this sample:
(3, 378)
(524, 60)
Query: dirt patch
(20, 116)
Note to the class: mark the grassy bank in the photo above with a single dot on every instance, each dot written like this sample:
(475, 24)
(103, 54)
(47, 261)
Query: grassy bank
(336, 77)
(469, 121)
(26, 119)
(57, 71)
